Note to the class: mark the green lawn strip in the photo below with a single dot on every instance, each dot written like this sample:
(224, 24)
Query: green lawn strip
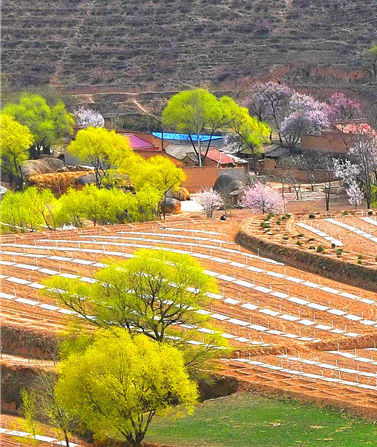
(248, 420)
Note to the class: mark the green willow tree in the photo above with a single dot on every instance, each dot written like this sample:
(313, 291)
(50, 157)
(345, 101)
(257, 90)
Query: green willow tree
(252, 132)
(117, 385)
(371, 59)
(105, 150)
(153, 293)
(49, 125)
(196, 112)
(15, 142)
(30, 210)
(159, 173)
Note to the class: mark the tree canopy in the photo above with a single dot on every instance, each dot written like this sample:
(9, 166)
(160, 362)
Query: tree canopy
(119, 383)
(252, 132)
(149, 293)
(49, 125)
(101, 148)
(30, 210)
(158, 174)
(371, 57)
(15, 142)
(153, 293)
(195, 112)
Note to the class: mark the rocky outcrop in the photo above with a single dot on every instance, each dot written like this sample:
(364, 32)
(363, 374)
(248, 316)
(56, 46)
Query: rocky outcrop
(181, 194)
(42, 166)
(171, 206)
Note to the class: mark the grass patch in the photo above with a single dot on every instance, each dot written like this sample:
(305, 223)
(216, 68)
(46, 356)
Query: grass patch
(248, 420)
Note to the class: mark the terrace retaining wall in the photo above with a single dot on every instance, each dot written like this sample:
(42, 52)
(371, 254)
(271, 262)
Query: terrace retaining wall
(28, 343)
(353, 274)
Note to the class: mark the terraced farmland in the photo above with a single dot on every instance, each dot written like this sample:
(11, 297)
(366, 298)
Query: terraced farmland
(292, 331)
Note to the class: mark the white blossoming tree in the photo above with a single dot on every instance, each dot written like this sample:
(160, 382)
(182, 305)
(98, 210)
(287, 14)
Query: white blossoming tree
(355, 194)
(88, 118)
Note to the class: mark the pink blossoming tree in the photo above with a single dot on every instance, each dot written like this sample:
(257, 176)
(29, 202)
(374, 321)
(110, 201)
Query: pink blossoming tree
(262, 198)
(210, 200)
(343, 108)
(269, 102)
(305, 116)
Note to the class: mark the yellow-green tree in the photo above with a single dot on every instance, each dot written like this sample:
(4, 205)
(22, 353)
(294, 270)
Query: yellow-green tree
(49, 125)
(149, 293)
(15, 142)
(195, 112)
(159, 173)
(153, 293)
(30, 210)
(117, 385)
(103, 149)
(251, 132)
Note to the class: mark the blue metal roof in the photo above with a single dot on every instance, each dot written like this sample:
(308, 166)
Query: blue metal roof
(185, 137)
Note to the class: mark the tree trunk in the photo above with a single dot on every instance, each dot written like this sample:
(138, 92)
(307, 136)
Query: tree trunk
(196, 152)
(208, 146)
(66, 439)
(199, 150)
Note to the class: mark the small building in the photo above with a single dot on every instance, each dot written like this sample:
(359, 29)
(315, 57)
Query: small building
(186, 154)
(141, 146)
(338, 138)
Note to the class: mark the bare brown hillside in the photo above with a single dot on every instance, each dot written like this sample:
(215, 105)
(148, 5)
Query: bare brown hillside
(153, 46)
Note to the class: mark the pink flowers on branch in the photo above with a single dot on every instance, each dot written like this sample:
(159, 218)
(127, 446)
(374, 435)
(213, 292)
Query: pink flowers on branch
(305, 116)
(343, 108)
(294, 114)
(262, 198)
(210, 201)
(88, 118)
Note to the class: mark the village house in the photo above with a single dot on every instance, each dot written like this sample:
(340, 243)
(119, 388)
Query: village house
(338, 138)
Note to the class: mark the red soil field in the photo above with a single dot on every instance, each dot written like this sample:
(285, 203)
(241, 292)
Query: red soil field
(266, 309)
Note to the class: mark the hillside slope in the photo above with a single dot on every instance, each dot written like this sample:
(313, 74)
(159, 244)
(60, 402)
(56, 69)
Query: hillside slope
(161, 45)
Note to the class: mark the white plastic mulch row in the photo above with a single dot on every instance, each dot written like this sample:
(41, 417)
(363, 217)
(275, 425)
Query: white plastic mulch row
(190, 231)
(218, 259)
(49, 307)
(262, 289)
(173, 236)
(23, 434)
(306, 375)
(320, 233)
(353, 229)
(231, 301)
(370, 220)
(329, 366)
(355, 357)
(188, 244)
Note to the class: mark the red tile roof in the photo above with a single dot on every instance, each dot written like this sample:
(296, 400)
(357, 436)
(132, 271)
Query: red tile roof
(138, 143)
(356, 128)
(222, 158)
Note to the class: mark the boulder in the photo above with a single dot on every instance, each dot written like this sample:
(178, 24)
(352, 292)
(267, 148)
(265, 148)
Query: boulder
(180, 194)
(86, 179)
(46, 165)
(171, 206)
(227, 185)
